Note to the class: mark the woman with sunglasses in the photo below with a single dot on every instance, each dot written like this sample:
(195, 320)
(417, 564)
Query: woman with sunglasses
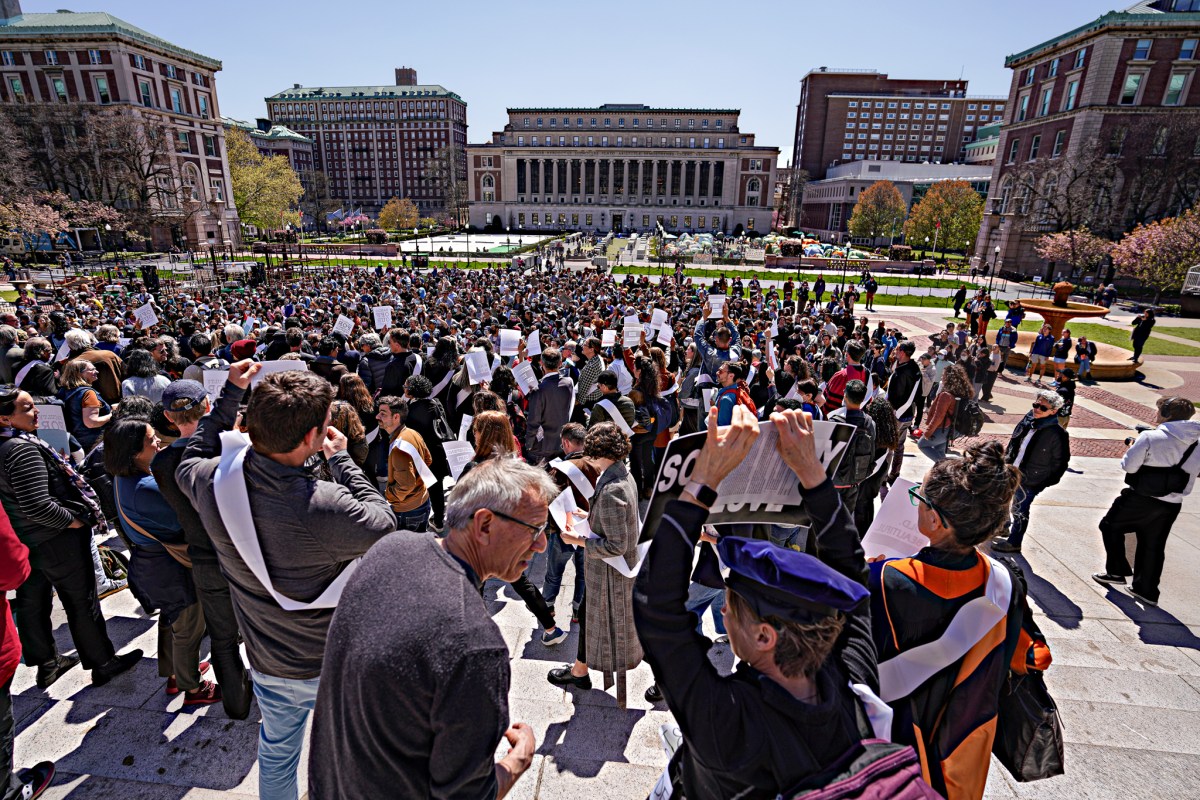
(970, 608)
(53, 511)
(607, 640)
(1041, 448)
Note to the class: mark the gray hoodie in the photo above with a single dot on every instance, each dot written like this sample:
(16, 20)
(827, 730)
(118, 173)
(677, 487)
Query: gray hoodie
(1164, 446)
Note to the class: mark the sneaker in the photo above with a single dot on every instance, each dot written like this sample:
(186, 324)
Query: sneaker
(115, 666)
(1146, 600)
(550, 639)
(51, 671)
(1105, 578)
(206, 695)
(562, 677)
(173, 687)
(654, 694)
(36, 779)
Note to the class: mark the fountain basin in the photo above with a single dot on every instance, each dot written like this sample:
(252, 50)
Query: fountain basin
(1056, 316)
(1112, 363)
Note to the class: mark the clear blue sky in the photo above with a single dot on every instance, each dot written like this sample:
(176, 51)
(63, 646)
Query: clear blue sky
(742, 54)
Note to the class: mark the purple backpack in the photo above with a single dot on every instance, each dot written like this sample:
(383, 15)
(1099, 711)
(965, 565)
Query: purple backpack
(871, 770)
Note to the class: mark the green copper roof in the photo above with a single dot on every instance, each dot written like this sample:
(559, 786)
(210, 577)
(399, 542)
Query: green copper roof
(1143, 14)
(276, 133)
(364, 92)
(93, 23)
(611, 108)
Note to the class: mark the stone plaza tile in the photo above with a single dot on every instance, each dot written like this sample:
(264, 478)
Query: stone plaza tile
(68, 786)
(570, 779)
(1098, 772)
(1119, 686)
(1158, 659)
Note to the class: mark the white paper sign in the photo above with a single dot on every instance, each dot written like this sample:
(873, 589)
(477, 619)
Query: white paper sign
(214, 381)
(269, 367)
(145, 316)
(665, 335)
(478, 368)
(894, 532)
(344, 325)
(526, 378)
(632, 319)
(631, 336)
(63, 352)
(533, 346)
(567, 517)
(457, 455)
(123, 343)
(715, 302)
(771, 356)
(52, 428)
(248, 325)
(774, 329)
(465, 427)
(658, 318)
(383, 317)
(510, 342)
(608, 338)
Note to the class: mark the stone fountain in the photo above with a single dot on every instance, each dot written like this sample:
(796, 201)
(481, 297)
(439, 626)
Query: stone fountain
(1111, 362)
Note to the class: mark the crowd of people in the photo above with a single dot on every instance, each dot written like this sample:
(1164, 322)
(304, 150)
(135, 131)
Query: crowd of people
(329, 470)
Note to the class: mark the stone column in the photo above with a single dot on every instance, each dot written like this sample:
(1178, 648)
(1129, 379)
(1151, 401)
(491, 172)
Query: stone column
(670, 176)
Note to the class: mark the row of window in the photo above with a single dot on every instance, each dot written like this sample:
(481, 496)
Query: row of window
(885, 157)
(701, 222)
(1134, 86)
(879, 115)
(889, 126)
(636, 122)
(1035, 146)
(912, 147)
(96, 57)
(897, 104)
(58, 88)
(619, 141)
(901, 137)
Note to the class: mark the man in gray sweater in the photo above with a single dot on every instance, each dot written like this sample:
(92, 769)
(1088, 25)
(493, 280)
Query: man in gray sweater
(308, 532)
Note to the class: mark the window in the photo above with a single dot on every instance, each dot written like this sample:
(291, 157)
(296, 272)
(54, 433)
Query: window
(1131, 90)
(719, 124)
(1160, 143)
(1013, 147)
(1059, 139)
(185, 142)
(1079, 58)
(177, 101)
(94, 57)
(170, 70)
(102, 94)
(203, 105)
(6, 58)
(1141, 50)
(1175, 89)
(1029, 76)
(210, 145)
(1072, 92)
(1187, 50)
(1035, 144)
(853, 104)
(17, 89)
(51, 57)
(144, 91)
(60, 89)
(139, 61)
(218, 190)
(1044, 106)
(1023, 108)
(1053, 68)
(1185, 5)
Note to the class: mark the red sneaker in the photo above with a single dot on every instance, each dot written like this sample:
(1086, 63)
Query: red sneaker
(173, 687)
(206, 695)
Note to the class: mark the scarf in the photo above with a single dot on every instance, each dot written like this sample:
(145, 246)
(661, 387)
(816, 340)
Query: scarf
(85, 490)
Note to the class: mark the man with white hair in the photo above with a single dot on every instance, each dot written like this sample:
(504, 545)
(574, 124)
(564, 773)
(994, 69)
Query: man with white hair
(112, 370)
(1041, 449)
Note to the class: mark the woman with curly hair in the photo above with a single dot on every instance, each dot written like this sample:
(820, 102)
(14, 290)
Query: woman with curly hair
(887, 438)
(955, 388)
(607, 639)
(969, 608)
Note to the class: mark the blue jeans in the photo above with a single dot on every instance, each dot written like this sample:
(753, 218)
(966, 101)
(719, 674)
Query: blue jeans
(1020, 515)
(416, 520)
(792, 537)
(935, 446)
(285, 704)
(701, 597)
(558, 554)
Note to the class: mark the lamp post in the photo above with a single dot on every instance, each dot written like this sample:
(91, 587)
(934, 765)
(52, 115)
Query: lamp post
(104, 250)
(508, 236)
(992, 271)
(926, 246)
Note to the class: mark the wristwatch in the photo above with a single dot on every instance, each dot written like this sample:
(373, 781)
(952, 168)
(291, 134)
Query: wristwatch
(705, 494)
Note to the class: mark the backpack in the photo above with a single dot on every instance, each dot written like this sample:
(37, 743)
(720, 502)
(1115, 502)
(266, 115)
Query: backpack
(968, 418)
(857, 464)
(871, 770)
(1161, 481)
(666, 414)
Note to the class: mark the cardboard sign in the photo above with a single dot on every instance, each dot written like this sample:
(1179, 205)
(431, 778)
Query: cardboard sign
(762, 488)
(894, 532)
(145, 316)
(383, 317)
(344, 325)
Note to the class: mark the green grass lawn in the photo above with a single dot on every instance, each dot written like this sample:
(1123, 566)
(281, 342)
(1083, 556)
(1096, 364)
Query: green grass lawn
(10, 296)
(1183, 333)
(1118, 337)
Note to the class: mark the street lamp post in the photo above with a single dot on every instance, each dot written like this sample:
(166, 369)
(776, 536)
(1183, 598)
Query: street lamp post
(926, 246)
(992, 271)
(104, 250)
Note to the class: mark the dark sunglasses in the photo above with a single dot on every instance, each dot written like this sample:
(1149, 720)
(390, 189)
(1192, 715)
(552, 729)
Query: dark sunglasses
(1041, 407)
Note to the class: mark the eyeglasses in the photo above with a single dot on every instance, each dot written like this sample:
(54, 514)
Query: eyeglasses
(538, 530)
(915, 497)
(1041, 407)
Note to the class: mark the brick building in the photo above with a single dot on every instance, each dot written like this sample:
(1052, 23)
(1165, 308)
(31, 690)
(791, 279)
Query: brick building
(1104, 106)
(378, 142)
(103, 65)
(622, 167)
(279, 140)
(859, 114)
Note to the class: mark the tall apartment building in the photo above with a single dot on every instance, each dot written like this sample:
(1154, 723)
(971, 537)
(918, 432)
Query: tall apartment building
(100, 64)
(858, 114)
(1113, 106)
(279, 140)
(622, 167)
(378, 142)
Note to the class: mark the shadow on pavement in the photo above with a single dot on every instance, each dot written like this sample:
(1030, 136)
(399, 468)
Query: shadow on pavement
(1155, 626)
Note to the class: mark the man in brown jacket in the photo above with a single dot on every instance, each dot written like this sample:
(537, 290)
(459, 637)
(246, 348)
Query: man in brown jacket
(406, 489)
(112, 370)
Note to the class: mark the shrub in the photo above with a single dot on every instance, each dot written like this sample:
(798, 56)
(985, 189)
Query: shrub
(377, 236)
(900, 252)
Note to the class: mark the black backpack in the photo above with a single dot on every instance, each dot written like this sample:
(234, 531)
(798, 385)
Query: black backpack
(859, 462)
(1161, 481)
(968, 418)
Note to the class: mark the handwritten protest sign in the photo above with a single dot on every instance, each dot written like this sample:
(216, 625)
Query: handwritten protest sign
(344, 325)
(383, 317)
(214, 380)
(457, 455)
(715, 304)
(608, 338)
(478, 368)
(52, 428)
(510, 342)
(894, 532)
(145, 316)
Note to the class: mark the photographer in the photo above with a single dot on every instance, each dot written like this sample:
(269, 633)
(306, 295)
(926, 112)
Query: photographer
(1161, 463)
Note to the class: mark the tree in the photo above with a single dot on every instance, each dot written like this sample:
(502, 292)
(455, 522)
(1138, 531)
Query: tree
(265, 188)
(956, 207)
(1081, 249)
(447, 172)
(1070, 192)
(399, 215)
(880, 208)
(1160, 253)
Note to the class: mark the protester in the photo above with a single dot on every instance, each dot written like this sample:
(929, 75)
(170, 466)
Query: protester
(1039, 354)
(408, 464)
(1161, 465)
(1041, 449)
(549, 409)
(144, 378)
(1143, 323)
(946, 705)
(427, 419)
(311, 530)
(935, 437)
(430, 737)
(578, 473)
(86, 412)
(109, 367)
(611, 405)
(888, 439)
(905, 396)
(35, 375)
(858, 461)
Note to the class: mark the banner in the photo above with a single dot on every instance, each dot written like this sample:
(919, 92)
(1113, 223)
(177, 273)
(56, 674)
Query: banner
(762, 488)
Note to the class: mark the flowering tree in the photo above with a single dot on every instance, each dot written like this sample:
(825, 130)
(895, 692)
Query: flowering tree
(1080, 248)
(1159, 254)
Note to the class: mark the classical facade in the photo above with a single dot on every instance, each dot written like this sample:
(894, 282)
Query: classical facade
(624, 168)
(1101, 130)
(102, 64)
(374, 143)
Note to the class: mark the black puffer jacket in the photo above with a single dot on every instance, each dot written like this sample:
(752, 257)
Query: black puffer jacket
(372, 366)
